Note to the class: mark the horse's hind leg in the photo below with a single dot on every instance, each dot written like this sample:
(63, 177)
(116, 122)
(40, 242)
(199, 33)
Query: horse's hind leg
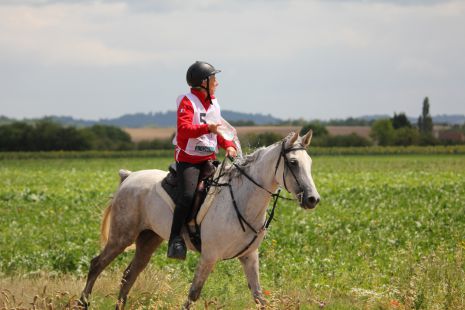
(97, 265)
(146, 244)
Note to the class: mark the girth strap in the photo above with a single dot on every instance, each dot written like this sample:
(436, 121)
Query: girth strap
(241, 219)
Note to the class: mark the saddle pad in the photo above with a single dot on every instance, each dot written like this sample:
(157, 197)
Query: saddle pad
(209, 199)
(164, 195)
(206, 204)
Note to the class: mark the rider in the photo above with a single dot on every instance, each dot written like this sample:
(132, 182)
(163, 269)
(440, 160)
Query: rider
(197, 138)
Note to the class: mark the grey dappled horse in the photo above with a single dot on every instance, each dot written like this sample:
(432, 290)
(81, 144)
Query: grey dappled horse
(138, 214)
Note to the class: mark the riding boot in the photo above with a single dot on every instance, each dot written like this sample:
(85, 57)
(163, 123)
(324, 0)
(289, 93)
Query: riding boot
(176, 245)
(187, 179)
(177, 248)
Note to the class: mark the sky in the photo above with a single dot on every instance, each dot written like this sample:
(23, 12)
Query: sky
(311, 59)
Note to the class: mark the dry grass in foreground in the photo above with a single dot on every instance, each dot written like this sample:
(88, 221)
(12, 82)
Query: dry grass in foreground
(431, 283)
(152, 290)
(61, 292)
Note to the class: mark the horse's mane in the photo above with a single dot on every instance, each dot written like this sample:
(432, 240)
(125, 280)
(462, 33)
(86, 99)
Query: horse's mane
(246, 161)
(250, 158)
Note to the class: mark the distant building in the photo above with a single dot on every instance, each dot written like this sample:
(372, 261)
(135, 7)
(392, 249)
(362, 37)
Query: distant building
(451, 136)
(438, 128)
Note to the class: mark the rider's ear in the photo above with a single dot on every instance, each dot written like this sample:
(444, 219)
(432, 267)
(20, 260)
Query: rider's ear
(307, 138)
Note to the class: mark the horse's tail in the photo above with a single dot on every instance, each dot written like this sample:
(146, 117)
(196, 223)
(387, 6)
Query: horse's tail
(105, 228)
(123, 174)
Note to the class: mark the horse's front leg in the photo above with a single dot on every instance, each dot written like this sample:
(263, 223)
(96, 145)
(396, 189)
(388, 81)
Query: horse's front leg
(204, 267)
(250, 264)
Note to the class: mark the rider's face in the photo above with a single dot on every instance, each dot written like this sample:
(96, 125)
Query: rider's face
(212, 85)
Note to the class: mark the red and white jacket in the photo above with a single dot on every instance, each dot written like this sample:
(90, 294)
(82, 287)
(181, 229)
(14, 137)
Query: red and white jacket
(192, 129)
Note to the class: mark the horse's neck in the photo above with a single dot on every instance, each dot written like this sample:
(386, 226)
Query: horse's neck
(254, 199)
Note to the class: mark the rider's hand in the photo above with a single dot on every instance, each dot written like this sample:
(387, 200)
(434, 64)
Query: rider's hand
(231, 152)
(213, 128)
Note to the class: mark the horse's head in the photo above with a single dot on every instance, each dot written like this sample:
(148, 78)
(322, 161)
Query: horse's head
(293, 170)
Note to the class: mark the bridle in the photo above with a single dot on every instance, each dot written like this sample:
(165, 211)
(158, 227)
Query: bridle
(276, 195)
(283, 154)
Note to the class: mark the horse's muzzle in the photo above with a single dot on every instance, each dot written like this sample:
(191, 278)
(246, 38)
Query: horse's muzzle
(309, 202)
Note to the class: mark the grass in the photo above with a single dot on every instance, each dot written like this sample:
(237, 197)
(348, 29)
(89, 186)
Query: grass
(388, 234)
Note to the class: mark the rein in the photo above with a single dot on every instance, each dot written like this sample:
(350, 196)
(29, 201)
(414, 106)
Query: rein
(275, 195)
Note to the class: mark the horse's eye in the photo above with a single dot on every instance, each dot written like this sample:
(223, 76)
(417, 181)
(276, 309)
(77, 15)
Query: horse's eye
(293, 162)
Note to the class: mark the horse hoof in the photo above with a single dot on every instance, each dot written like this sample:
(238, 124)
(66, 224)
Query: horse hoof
(120, 304)
(187, 305)
(82, 303)
(259, 300)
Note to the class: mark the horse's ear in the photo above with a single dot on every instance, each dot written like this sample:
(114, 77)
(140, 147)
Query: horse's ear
(307, 138)
(294, 135)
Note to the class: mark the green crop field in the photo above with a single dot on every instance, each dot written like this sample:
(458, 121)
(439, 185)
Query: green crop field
(389, 233)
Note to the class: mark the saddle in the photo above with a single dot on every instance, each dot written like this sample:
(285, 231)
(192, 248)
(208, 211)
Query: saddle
(169, 184)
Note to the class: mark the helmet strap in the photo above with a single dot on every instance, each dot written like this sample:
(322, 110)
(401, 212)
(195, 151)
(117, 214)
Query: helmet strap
(208, 90)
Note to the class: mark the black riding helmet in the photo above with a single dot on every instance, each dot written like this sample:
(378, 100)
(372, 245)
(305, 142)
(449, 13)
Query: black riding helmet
(199, 71)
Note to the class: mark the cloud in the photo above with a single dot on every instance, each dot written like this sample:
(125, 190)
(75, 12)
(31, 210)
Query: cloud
(75, 34)
(317, 53)
(398, 2)
(281, 28)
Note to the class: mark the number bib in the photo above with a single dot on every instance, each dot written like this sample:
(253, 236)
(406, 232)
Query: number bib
(205, 144)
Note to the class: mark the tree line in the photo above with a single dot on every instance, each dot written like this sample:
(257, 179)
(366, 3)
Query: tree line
(394, 131)
(47, 135)
(398, 130)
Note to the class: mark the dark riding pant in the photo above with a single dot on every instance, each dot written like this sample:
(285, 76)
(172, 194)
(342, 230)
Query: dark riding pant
(187, 179)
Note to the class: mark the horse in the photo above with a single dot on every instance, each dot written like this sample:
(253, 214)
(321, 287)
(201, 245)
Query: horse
(137, 214)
